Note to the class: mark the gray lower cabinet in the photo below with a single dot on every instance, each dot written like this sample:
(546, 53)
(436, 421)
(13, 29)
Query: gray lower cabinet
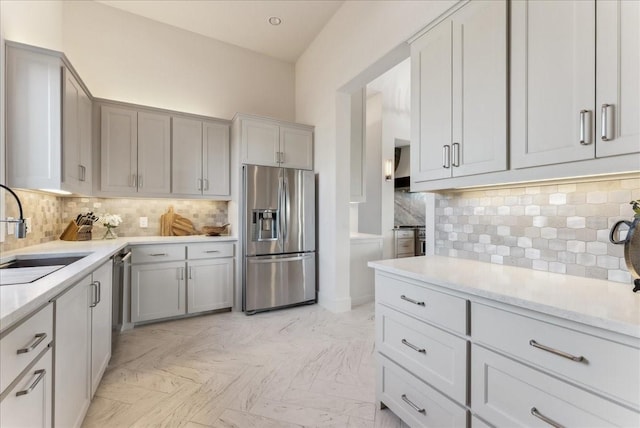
(173, 280)
(82, 345)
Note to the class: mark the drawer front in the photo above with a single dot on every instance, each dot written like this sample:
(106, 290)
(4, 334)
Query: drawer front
(405, 246)
(19, 347)
(210, 250)
(414, 402)
(507, 393)
(157, 253)
(423, 303)
(609, 367)
(436, 357)
(400, 233)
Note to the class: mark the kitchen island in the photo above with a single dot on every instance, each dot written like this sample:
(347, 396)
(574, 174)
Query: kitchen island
(463, 343)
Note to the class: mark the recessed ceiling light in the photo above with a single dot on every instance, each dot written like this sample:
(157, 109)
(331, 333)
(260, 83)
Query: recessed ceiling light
(274, 20)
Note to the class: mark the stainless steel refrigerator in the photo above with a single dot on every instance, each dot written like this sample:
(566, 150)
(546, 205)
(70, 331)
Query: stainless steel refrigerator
(279, 248)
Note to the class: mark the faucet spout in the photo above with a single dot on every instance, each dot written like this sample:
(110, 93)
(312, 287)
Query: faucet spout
(21, 226)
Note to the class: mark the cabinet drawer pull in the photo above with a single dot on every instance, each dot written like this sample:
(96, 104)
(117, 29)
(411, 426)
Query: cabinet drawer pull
(190, 272)
(542, 417)
(415, 302)
(456, 154)
(556, 352)
(605, 130)
(35, 383)
(446, 156)
(94, 302)
(585, 127)
(414, 347)
(212, 251)
(158, 254)
(413, 406)
(38, 340)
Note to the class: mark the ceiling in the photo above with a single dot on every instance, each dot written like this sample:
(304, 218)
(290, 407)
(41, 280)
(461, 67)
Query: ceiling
(242, 23)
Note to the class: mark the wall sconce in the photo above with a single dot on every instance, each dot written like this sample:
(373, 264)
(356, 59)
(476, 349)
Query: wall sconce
(388, 170)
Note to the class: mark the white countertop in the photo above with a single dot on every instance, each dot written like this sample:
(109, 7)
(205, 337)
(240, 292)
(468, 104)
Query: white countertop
(599, 303)
(19, 300)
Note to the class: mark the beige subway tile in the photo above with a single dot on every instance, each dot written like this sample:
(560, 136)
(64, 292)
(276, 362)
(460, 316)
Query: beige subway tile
(540, 265)
(576, 222)
(558, 199)
(548, 232)
(557, 267)
(524, 242)
(576, 246)
(597, 197)
(619, 276)
(597, 248)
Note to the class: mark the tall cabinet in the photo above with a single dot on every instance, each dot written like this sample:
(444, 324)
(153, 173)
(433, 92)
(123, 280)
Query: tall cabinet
(459, 94)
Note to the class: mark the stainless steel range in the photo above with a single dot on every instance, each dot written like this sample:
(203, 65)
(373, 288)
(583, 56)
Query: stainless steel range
(415, 235)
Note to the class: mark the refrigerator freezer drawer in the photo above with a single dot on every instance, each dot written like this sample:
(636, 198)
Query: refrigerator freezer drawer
(274, 281)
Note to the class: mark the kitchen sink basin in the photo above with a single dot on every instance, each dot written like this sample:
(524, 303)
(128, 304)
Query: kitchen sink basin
(24, 269)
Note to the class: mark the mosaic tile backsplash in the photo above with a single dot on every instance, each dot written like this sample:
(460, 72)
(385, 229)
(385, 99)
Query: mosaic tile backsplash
(561, 228)
(50, 214)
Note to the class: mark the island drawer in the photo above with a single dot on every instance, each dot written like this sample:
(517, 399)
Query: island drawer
(603, 365)
(210, 250)
(426, 304)
(157, 253)
(415, 402)
(507, 393)
(435, 356)
(23, 344)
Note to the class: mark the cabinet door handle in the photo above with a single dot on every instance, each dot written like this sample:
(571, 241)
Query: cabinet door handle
(181, 273)
(157, 254)
(206, 184)
(82, 170)
(585, 127)
(199, 184)
(557, 352)
(39, 337)
(415, 302)
(95, 299)
(35, 383)
(605, 130)
(414, 347)
(282, 158)
(190, 272)
(139, 181)
(542, 417)
(133, 181)
(99, 292)
(446, 156)
(456, 154)
(412, 405)
(277, 157)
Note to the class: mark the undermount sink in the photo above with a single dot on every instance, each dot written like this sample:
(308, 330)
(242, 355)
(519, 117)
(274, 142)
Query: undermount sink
(24, 269)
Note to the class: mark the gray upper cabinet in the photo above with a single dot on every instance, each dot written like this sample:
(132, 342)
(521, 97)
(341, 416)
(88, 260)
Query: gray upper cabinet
(574, 79)
(274, 143)
(201, 158)
(552, 82)
(48, 123)
(618, 77)
(459, 94)
(135, 152)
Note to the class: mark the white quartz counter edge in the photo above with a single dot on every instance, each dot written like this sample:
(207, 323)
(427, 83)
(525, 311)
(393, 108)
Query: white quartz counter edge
(599, 303)
(19, 300)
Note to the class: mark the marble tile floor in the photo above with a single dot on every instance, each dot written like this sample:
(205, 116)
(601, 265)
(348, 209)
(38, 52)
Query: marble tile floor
(299, 367)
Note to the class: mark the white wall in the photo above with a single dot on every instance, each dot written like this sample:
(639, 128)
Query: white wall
(370, 211)
(37, 23)
(357, 36)
(129, 58)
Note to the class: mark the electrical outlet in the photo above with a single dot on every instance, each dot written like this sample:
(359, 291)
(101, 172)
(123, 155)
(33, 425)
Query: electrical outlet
(11, 227)
(27, 222)
(144, 222)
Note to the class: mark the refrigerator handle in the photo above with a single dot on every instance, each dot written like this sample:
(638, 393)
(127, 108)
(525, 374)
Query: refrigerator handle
(286, 208)
(281, 190)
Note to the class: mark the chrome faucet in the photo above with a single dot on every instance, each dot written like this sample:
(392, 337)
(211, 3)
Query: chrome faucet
(21, 225)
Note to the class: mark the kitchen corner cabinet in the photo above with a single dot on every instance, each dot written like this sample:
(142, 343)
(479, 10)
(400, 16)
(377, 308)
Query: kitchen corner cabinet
(135, 152)
(574, 81)
(201, 158)
(48, 122)
(174, 280)
(273, 143)
(26, 372)
(82, 344)
(459, 94)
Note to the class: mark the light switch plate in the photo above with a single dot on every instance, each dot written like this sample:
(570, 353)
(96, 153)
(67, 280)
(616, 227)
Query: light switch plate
(27, 222)
(144, 222)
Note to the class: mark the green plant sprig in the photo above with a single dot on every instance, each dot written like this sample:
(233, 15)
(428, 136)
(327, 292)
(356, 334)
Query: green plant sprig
(636, 208)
